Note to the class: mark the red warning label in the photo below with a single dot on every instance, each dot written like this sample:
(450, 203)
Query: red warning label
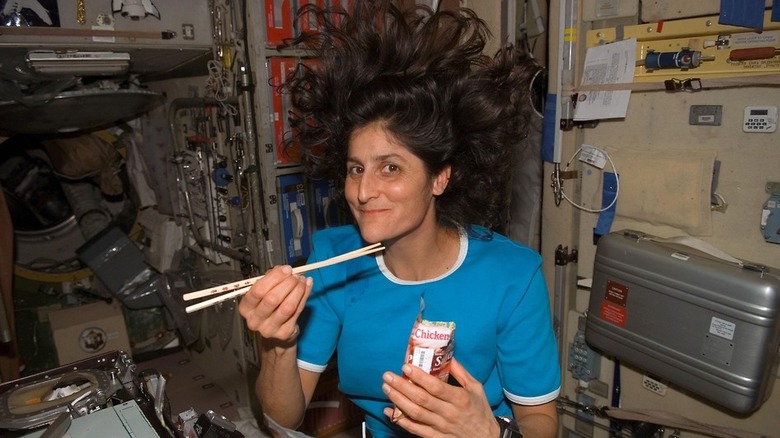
(616, 293)
(613, 307)
(613, 313)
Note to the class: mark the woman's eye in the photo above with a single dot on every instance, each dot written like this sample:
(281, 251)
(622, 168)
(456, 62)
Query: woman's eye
(390, 168)
(354, 170)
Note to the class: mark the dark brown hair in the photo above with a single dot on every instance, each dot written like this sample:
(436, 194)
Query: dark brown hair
(424, 75)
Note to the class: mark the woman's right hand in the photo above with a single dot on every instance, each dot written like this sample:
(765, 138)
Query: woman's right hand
(272, 305)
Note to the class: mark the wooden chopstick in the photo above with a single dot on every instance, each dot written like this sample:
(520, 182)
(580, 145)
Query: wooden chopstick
(238, 288)
(250, 281)
(218, 299)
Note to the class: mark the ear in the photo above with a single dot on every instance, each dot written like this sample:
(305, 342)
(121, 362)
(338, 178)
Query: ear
(440, 180)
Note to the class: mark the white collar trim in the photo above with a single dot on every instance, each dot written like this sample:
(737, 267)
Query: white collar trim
(462, 251)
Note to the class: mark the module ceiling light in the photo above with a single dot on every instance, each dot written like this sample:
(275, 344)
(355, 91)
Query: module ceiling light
(79, 63)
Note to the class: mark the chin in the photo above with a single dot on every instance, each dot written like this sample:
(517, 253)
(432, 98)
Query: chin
(372, 235)
(373, 232)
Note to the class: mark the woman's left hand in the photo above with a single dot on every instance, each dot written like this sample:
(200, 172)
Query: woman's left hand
(432, 408)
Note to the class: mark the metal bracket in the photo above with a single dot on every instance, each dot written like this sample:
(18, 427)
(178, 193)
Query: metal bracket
(690, 84)
(569, 124)
(564, 257)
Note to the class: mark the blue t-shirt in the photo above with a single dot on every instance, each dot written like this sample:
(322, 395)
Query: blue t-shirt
(495, 293)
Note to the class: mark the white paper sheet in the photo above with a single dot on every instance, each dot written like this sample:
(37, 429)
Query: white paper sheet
(606, 64)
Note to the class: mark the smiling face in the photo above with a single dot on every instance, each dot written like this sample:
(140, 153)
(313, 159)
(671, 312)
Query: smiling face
(388, 188)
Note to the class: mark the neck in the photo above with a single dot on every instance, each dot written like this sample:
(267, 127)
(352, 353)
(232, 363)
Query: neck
(423, 257)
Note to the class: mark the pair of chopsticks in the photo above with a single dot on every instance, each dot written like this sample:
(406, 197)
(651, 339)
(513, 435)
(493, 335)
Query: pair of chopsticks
(238, 288)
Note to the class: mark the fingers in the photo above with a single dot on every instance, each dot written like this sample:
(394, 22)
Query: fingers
(261, 288)
(431, 406)
(272, 305)
(421, 397)
(466, 380)
(407, 399)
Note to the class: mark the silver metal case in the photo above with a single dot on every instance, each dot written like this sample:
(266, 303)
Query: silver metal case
(702, 323)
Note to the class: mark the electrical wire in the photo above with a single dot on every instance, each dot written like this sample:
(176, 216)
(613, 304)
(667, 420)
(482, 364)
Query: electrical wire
(218, 84)
(617, 429)
(617, 183)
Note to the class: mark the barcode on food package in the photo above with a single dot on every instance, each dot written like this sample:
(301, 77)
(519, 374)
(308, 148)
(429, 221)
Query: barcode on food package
(423, 358)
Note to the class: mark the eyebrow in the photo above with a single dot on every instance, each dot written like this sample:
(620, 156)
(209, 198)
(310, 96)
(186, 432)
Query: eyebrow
(378, 158)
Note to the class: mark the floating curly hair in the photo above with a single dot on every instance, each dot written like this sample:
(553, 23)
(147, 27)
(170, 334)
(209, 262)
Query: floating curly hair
(423, 75)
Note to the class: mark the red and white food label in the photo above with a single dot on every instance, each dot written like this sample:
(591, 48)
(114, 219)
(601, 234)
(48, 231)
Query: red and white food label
(431, 346)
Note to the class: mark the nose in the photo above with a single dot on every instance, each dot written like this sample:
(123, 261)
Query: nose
(367, 188)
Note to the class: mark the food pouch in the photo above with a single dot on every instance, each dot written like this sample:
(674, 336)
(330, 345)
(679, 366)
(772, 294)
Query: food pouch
(430, 348)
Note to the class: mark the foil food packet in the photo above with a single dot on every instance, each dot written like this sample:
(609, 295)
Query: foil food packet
(430, 348)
